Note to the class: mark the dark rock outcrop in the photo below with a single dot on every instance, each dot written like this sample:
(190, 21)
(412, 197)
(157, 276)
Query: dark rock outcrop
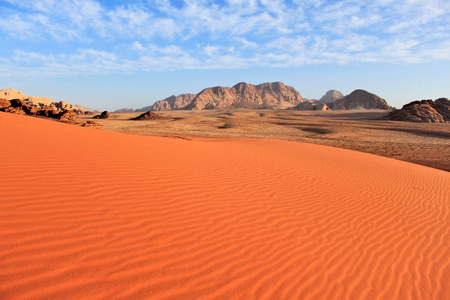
(148, 116)
(360, 99)
(103, 115)
(425, 111)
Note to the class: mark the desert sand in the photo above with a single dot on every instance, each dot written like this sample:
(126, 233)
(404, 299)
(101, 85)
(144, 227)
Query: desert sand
(93, 214)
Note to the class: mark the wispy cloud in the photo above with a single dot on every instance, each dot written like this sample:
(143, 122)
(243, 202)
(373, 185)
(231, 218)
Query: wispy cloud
(89, 36)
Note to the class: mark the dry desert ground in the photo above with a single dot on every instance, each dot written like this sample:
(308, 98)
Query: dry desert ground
(95, 214)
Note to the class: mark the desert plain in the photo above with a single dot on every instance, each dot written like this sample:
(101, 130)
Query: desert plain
(225, 205)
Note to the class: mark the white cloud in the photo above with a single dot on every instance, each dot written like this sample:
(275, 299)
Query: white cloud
(210, 50)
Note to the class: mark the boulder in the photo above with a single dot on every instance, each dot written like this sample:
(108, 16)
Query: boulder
(103, 115)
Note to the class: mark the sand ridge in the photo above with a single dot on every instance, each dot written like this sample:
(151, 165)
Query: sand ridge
(93, 214)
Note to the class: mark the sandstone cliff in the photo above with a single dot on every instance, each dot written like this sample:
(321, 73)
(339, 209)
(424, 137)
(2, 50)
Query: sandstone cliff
(274, 95)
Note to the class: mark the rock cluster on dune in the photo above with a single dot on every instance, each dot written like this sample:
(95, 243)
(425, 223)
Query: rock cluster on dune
(42, 102)
(60, 111)
(359, 99)
(148, 116)
(274, 95)
(19, 106)
(426, 111)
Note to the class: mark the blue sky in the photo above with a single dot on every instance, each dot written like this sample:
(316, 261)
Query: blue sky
(115, 54)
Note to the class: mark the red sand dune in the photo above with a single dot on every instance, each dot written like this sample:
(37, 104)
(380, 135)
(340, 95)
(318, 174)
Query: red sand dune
(88, 214)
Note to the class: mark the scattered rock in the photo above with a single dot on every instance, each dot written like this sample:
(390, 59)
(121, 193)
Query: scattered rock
(148, 116)
(92, 124)
(425, 111)
(103, 115)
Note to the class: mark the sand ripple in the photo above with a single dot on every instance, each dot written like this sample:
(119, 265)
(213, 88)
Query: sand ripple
(91, 214)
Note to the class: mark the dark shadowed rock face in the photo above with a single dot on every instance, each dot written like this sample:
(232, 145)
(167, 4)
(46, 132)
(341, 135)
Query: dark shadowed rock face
(103, 115)
(274, 95)
(425, 111)
(360, 99)
(148, 116)
(331, 96)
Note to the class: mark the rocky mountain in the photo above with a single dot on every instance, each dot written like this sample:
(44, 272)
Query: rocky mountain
(426, 111)
(331, 96)
(40, 102)
(274, 95)
(172, 102)
(360, 99)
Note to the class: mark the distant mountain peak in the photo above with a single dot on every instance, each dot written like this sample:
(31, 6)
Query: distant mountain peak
(331, 96)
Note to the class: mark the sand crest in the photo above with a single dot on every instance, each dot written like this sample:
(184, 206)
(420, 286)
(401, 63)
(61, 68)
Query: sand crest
(91, 214)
